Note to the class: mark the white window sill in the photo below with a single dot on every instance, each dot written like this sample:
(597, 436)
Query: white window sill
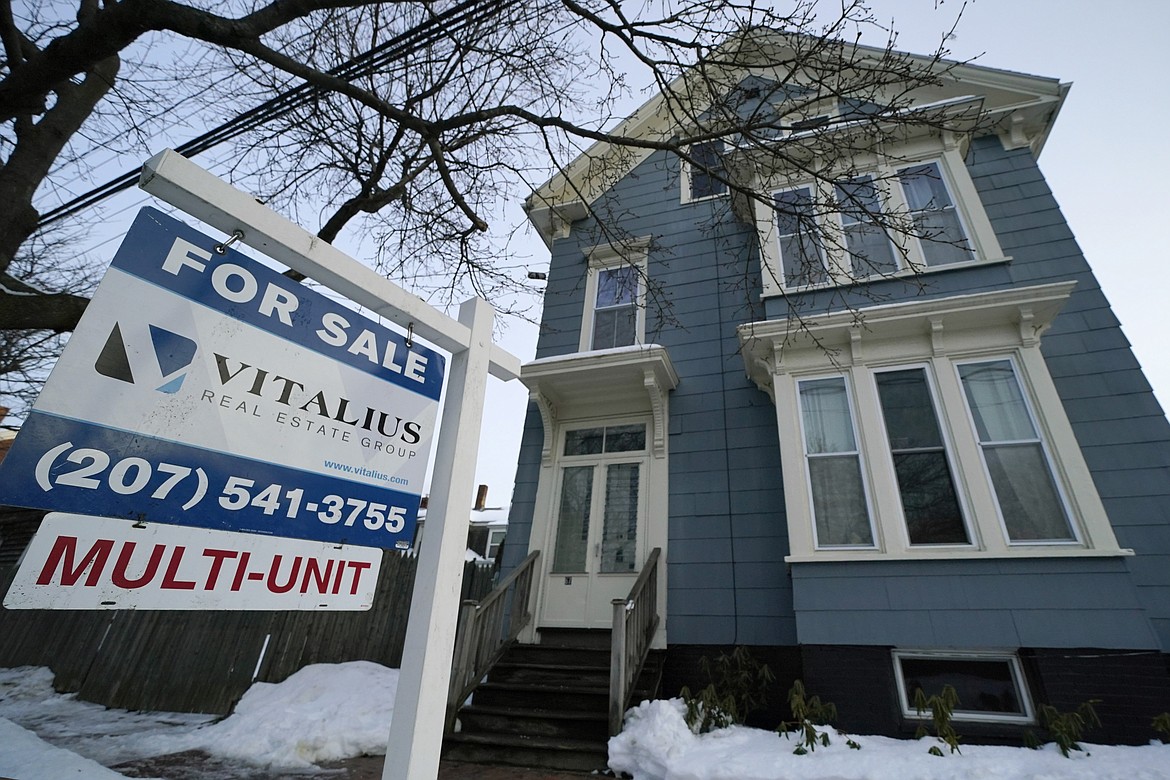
(773, 291)
(856, 556)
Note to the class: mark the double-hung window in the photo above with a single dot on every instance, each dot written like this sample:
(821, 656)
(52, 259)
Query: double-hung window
(703, 179)
(615, 310)
(926, 484)
(615, 288)
(1029, 500)
(868, 244)
(937, 226)
(833, 460)
(800, 242)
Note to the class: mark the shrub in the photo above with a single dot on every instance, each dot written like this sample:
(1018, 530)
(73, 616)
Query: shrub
(807, 714)
(942, 709)
(738, 686)
(1161, 724)
(1067, 728)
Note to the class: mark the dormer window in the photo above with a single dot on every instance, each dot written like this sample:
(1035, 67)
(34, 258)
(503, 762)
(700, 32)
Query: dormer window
(701, 179)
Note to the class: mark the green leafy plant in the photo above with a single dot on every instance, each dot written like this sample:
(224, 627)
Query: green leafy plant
(1161, 724)
(738, 686)
(942, 709)
(807, 714)
(1067, 728)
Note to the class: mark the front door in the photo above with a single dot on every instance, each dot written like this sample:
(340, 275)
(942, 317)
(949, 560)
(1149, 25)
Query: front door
(599, 528)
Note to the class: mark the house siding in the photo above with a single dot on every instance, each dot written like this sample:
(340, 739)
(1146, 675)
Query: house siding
(726, 580)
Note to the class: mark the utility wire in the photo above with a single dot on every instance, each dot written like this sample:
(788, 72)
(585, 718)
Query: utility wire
(454, 19)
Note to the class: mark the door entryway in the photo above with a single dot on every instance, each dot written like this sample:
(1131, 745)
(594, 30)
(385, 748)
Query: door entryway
(598, 534)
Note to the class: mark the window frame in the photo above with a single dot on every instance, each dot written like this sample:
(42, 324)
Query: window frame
(908, 252)
(633, 254)
(1019, 681)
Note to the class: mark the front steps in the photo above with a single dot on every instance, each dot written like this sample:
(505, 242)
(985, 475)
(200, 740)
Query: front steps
(545, 706)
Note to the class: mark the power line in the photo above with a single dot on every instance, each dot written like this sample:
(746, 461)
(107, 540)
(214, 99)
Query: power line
(454, 19)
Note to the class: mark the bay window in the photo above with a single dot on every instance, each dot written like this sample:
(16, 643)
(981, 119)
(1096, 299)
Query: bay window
(927, 429)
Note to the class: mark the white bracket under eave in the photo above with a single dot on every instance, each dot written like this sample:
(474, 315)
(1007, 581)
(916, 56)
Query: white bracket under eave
(548, 416)
(657, 409)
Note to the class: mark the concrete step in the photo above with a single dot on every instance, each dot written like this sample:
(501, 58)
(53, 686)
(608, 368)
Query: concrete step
(514, 750)
(547, 696)
(482, 719)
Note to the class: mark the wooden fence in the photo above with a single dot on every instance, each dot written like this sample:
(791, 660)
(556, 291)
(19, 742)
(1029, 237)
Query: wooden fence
(204, 661)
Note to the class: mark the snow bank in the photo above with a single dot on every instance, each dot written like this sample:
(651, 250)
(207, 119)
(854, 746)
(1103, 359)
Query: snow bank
(656, 744)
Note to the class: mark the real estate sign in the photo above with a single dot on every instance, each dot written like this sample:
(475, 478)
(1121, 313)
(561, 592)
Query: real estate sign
(205, 389)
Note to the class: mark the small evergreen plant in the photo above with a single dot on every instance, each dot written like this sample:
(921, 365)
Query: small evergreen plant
(1067, 728)
(1161, 724)
(807, 714)
(942, 709)
(738, 686)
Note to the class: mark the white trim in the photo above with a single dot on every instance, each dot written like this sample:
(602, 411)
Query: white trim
(1019, 682)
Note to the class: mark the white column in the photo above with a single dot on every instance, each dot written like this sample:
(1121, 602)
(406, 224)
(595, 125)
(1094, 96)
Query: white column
(416, 732)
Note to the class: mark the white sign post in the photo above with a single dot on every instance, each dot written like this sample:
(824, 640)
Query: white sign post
(416, 733)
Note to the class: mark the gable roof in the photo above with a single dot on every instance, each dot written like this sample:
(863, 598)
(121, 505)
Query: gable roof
(1021, 108)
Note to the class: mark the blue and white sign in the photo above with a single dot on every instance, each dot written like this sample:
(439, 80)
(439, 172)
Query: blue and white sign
(204, 389)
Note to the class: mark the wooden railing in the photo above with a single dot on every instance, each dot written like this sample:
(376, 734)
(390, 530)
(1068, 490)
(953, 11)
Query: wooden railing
(485, 630)
(635, 619)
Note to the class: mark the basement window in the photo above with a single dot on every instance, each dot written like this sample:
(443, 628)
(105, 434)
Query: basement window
(991, 686)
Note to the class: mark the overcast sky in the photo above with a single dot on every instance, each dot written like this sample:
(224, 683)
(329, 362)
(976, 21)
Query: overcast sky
(1103, 160)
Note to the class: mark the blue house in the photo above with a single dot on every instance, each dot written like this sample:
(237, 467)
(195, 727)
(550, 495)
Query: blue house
(882, 425)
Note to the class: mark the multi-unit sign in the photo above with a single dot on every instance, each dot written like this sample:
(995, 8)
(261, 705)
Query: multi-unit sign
(205, 389)
(83, 562)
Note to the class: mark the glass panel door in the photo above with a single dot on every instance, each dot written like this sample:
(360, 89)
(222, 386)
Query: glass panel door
(619, 539)
(571, 552)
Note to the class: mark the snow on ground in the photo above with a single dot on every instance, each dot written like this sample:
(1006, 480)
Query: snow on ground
(324, 712)
(328, 712)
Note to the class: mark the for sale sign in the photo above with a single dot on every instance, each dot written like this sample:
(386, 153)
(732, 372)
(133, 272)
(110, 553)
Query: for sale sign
(79, 562)
(204, 389)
